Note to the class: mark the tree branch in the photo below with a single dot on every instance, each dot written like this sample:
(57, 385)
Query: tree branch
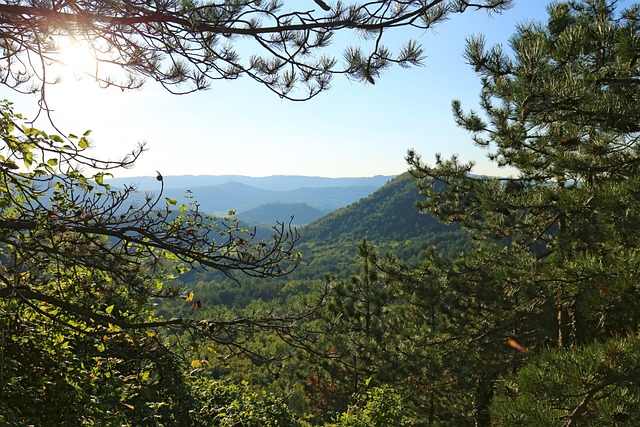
(25, 293)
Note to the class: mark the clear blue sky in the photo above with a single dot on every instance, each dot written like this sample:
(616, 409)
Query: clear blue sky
(240, 127)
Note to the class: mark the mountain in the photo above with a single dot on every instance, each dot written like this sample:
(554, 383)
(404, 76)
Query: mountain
(274, 183)
(388, 218)
(269, 214)
(389, 214)
(242, 197)
(219, 194)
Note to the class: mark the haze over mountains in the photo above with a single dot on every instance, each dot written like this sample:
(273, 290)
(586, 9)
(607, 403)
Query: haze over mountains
(262, 200)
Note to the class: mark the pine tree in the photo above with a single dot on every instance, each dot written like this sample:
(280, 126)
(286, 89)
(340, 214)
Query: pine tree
(556, 259)
(186, 45)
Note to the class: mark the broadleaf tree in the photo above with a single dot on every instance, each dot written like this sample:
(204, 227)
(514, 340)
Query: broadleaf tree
(81, 265)
(556, 258)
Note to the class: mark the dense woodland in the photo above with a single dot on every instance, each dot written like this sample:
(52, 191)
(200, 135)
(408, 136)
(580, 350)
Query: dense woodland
(444, 298)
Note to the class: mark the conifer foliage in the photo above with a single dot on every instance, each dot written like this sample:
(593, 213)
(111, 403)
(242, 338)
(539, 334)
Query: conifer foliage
(185, 45)
(556, 260)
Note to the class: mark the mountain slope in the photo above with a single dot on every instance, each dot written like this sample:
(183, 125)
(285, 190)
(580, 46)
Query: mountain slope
(387, 214)
(387, 218)
(271, 213)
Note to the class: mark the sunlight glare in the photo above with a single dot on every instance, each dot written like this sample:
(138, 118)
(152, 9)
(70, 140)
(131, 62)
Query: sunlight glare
(76, 57)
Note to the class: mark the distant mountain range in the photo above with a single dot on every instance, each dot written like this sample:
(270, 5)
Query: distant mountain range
(274, 183)
(262, 200)
(271, 213)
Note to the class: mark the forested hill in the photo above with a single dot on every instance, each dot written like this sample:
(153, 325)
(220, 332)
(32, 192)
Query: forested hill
(387, 218)
(389, 214)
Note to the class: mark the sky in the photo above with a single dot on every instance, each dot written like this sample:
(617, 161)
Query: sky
(241, 128)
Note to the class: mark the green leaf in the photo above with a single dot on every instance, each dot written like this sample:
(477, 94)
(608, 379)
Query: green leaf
(189, 297)
(28, 158)
(109, 309)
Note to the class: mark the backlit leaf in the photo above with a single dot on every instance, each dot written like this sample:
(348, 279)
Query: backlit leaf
(190, 296)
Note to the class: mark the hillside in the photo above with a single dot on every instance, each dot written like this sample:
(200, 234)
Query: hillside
(389, 214)
(269, 214)
(388, 218)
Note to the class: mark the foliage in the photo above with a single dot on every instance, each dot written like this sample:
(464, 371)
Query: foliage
(80, 268)
(52, 376)
(556, 259)
(186, 45)
(554, 262)
(232, 405)
(66, 230)
(382, 328)
(595, 384)
(379, 406)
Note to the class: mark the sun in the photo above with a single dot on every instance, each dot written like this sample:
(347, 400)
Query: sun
(75, 57)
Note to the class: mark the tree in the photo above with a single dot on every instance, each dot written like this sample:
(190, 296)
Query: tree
(385, 328)
(379, 406)
(556, 259)
(185, 45)
(592, 385)
(357, 329)
(81, 265)
(53, 224)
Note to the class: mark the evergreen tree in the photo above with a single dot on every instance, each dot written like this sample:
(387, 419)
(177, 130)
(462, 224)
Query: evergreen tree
(556, 259)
